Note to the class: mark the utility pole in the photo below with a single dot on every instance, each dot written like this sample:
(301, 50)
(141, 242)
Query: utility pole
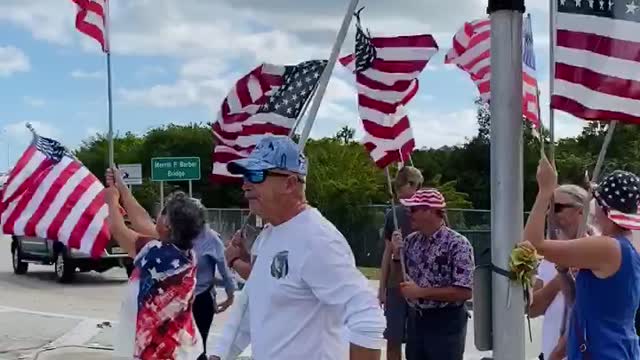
(506, 173)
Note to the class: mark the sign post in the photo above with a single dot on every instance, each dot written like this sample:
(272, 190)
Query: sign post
(175, 169)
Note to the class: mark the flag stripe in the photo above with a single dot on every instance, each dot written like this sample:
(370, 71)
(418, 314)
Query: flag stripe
(386, 76)
(55, 228)
(55, 198)
(471, 52)
(39, 196)
(258, 105)
(31, 229)
(19, 173)
(76, 224)
(22, 202)
(91, 20)
(597, 63)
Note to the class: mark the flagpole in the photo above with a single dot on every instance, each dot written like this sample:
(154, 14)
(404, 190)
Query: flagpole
(109, 96)
(110, 133)
(552, 72)
(506, 174)
(326, 74)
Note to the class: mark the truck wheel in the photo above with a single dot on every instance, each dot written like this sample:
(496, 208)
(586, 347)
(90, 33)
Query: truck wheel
(19, 267)
(64, 268)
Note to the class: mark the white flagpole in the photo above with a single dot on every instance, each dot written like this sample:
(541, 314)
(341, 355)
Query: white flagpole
(552, 72)
(326, 74)
(109, 96)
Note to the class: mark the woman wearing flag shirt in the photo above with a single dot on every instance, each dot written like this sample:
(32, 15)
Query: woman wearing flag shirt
(161, 291)
(608, 281)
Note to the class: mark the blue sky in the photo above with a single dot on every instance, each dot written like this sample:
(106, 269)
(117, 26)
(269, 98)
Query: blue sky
(174, 61)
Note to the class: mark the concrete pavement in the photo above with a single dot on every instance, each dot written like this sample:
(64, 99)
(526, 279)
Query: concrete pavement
(41, 319)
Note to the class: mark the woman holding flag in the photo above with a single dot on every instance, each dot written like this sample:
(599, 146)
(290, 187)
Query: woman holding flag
(157, 321)
(608, 282)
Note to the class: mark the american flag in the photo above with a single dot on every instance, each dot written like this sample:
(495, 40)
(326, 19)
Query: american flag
(268, 100)
(50, 194)
(386, 71)
(165, 279)
(471, 52)
(92, 20)
(596, 60)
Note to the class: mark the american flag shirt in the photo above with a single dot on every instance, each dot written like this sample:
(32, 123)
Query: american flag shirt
(165, 326)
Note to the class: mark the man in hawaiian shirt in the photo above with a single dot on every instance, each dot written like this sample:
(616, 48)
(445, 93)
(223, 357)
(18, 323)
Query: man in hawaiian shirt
(439, 264)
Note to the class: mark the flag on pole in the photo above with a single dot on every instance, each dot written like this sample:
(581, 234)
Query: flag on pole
(597, 60)
(92, 20)
(50, 194)
(471, 52)
(387, 70)
(266, 101)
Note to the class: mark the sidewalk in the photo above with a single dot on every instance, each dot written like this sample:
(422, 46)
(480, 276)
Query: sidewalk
(28, 335)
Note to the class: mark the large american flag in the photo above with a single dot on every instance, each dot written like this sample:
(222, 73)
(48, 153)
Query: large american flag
(268, 100)
(386, 71)
(92, 20)
(50, 194)
(471, 52)
(597, 65)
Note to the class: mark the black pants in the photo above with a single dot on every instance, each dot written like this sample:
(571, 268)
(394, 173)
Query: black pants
(203, 310)
(437, 334)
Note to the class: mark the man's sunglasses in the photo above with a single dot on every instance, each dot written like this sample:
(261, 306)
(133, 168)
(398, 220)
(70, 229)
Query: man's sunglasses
(259, 176)
(560, 207)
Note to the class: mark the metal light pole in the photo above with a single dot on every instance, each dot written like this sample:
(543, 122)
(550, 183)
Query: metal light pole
(506, 173)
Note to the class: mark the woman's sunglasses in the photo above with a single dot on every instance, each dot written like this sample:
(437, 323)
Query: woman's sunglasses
(259, 176)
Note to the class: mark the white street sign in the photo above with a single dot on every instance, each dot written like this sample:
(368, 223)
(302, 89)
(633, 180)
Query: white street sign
(131, 173)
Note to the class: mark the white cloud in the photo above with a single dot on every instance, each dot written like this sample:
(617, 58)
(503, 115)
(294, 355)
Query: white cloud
(20, 135)
(150, 70)
(46, 20)
(13, 60)
(33, 101)
(83, 74)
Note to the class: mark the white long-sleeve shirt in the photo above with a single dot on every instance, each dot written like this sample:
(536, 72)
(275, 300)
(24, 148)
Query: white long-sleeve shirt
(303, 292)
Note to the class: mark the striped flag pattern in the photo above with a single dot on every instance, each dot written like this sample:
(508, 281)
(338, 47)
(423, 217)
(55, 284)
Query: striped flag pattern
(597, 61)
(50, 194)
(91, 20)
(267, 100)
(431, 198)
(471, 52)
(386, 71)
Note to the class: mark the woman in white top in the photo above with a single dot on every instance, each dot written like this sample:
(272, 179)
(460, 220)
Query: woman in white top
(548, 299)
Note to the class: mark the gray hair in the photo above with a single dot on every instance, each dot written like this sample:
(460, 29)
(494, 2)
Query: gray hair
(186, 218)
(575, 192)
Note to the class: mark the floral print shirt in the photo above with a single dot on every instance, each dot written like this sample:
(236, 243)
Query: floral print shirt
(442, 260)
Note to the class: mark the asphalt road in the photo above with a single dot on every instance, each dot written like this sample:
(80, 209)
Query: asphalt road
(42, 319)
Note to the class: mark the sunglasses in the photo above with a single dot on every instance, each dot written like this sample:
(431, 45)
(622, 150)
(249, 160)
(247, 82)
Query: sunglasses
(560, 207)
(413, 209)
(259, 176)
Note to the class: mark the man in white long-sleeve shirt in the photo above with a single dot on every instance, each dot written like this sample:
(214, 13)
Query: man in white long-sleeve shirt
(304, 289)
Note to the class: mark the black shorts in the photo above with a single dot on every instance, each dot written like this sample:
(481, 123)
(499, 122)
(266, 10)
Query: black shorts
(395, 310)
(437, 334)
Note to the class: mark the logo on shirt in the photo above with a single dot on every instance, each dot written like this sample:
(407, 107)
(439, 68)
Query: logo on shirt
(280, 265)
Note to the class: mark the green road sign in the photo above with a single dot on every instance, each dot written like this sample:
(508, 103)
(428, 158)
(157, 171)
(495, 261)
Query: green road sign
(175, 168)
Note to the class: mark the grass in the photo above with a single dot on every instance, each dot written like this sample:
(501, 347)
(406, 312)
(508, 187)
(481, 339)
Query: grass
(370, 273)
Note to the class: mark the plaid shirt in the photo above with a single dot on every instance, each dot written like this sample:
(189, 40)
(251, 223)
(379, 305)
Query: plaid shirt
(445, 259)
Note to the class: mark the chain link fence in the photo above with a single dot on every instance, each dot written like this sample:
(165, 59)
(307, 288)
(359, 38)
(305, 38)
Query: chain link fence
(365, 237)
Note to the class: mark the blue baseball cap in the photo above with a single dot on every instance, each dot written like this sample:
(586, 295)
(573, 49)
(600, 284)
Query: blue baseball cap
(272, 153)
